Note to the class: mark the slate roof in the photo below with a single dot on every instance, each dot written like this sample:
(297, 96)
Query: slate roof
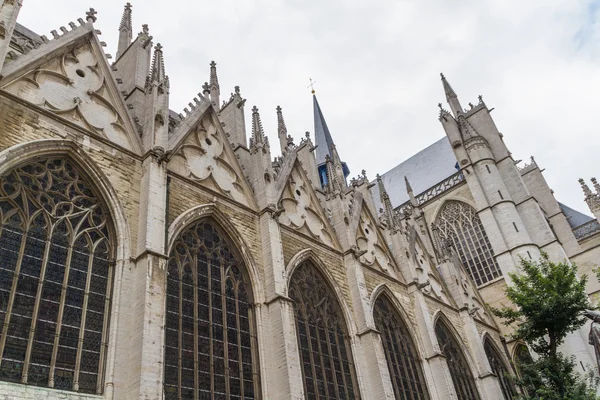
(574, 217)
(423, 170)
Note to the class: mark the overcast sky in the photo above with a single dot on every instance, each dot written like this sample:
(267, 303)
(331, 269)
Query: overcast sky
(377, 66)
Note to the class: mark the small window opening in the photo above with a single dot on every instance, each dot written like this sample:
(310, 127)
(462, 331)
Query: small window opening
(515, 225)
(500, 193)
(488, 168)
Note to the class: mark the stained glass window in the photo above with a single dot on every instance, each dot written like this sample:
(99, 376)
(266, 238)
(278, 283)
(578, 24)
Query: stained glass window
(462, 378)
(326, 357)
(522, 356)
(211, 348)
(499, 368)
(56, 268)
(459, 224)
(400, 352)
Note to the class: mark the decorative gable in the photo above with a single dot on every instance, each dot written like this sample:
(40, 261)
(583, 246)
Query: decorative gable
(427, 276)
(204, 156)
(302, 210)
(76, 84)
(371, 245)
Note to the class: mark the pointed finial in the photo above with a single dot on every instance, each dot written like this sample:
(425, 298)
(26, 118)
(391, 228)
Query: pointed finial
(91, 16)
(145, 29)
(596, 185)
(407, 183)
(586, 189)
(282, 132)
(126, 18)
(157, 72)
(388, 209)
(447, 88)
(258, 139)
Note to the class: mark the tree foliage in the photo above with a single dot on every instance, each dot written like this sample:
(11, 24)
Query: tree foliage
(548, 301)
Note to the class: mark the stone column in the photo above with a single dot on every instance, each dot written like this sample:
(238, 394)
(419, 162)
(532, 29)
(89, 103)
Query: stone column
(282, 374)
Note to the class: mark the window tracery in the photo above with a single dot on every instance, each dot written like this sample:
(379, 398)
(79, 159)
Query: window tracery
(211, 349)
(462, 378)
(400, 352)
(325, 354)
(56, 269)
(459, 224)
(499, 368)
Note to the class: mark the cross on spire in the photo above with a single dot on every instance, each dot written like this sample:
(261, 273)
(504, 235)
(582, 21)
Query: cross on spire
(312, 85)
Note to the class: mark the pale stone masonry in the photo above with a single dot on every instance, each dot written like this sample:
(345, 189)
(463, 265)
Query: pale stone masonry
(160, 171)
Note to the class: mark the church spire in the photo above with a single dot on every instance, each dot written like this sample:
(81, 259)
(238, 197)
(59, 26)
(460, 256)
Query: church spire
(325, 145)
(282, 132)
(258, 140)
(451, 97)
(125, 31)
(215, 89)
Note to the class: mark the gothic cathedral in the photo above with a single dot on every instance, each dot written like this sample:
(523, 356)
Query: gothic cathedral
(151, 254)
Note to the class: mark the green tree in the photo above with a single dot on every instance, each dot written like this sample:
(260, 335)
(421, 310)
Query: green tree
(548, 301)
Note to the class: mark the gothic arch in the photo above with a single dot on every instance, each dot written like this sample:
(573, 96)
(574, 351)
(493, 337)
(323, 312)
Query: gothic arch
(325, 341)
(466, 387)
(499, 366)
(384, 290)
(403, 356)
(309, 255)
(211, 211)
(23, 152)
(71, 187)
(457, 223)
(211, 339)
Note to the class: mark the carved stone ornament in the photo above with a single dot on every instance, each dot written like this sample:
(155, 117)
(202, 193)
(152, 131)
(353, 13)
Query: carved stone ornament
(301, 209)
(202, 157)
(368, 241)
(73, 86)
(425, 272)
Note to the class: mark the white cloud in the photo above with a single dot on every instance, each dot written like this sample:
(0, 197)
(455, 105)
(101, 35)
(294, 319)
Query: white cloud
(377, 65)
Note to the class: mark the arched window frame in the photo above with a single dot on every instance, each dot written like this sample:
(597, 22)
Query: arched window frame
(406, 373)
(457, 223)
(346, 385)
(458, 365)
(500, 369)
(74, 310)
(180, 228)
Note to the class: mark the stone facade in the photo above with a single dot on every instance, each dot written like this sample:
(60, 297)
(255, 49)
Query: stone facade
(159, 171)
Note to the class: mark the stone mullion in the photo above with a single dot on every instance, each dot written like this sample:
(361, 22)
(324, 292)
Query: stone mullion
(312, 359)
(331, 363)
(105, 322)
(254, 350)
(339, 346)
(322, 362)
(196, 350)
(180, 334)
(36, 309)
(13, 292)
(210, 325)
(239, 338)
(86, 296)
(61, 310)
(224, 321)
(393, 352)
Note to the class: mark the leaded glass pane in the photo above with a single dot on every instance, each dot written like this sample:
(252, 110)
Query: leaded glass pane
(400, 352)
(459, 224)
(53, 230)
(499, 368)
(462, 378)
(325, 353)
(210, 343)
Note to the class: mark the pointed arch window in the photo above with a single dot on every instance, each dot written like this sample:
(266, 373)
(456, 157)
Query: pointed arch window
(400, 352)
(211, 346)
(460, 371)
(56, 272)
(499, 368)
(324, 344)
(459, 224)
(522, 356)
